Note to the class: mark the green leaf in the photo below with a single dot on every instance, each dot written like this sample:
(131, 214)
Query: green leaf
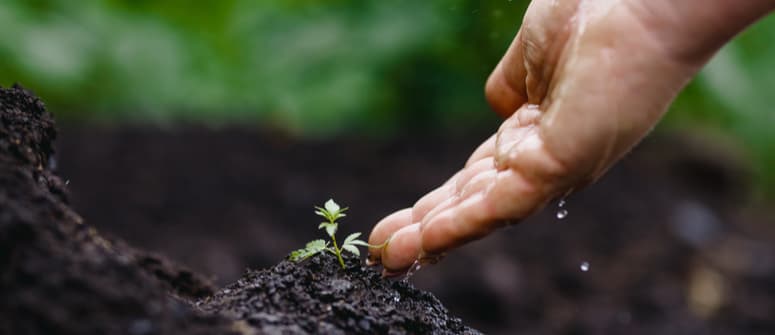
(331, 229)
(332, 207)
(362, 243)
(310, 250)
(317, 245)
(351, 237)
(352, 249)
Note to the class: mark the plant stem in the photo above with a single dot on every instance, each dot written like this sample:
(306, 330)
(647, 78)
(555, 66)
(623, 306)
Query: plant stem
(338, 251)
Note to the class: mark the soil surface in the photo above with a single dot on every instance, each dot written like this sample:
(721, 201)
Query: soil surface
(58, 275)
(319, 297)
(673, 241)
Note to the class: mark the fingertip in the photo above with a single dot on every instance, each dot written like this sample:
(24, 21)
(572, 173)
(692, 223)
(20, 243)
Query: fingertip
(371, 260)
(384, 229)
(470, 220)
(403, 249)
(502, 98)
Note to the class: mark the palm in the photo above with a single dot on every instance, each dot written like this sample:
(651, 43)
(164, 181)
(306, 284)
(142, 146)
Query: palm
(571, 113)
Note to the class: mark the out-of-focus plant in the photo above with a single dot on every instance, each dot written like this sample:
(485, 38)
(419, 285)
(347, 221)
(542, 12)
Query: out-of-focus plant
(322, 67)
(733, 95)
(315, 67)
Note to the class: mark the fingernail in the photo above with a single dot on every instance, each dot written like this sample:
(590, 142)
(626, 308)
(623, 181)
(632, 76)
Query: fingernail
(392, 274)
(428, 258)
(372, 261)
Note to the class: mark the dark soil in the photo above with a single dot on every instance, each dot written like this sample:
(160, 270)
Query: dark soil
(674, 243)
(319, 297)
(58, 275)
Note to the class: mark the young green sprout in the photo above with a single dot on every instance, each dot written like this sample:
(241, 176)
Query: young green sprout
(331, 212)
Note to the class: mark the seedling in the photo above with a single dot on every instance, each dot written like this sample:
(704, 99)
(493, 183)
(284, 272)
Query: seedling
(331, 212)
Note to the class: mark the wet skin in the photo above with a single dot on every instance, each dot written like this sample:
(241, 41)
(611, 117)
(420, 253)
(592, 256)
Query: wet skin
(582, 83)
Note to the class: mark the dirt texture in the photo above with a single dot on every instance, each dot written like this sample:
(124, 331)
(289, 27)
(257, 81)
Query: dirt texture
(674, 243)
(58, 275)
(319, 297)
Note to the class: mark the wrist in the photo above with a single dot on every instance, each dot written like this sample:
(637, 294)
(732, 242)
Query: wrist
(693, 30)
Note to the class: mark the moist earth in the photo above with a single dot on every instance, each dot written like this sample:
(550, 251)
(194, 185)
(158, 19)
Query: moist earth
(59, 275)
(317, 296)
(675, 241)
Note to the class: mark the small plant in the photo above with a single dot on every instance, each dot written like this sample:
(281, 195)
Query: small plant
(331, 212)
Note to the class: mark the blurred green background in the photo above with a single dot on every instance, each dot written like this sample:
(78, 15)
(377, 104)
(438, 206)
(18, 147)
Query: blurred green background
(323, 67)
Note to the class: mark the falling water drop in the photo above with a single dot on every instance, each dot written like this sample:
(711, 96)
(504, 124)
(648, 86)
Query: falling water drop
(416, 266)
(561, 212)
(584, 266)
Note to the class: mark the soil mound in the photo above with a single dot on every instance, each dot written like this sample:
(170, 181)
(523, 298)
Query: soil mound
(58, 275)
(317, 296)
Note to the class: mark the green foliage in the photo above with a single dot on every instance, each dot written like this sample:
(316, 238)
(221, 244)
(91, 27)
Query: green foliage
(312, 248)
(323, 67)
(331, 212)
(732, 96)
(312, 67)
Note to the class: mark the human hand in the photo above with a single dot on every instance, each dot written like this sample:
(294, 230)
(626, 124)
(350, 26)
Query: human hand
(581, 84)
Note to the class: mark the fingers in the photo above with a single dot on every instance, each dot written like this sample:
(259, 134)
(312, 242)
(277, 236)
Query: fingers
(385, 229)
(403, 241)
(484, 199)
(433, 199)
(447, 194)
(485, 149)
(404, 245)
(505, 89)
(450, 194)
(494, 198)
(403, 249)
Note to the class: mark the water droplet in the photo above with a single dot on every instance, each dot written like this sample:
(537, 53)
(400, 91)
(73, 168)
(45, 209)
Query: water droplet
(584, 266)
(562, 213)
(416, 266)
(562, 203)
